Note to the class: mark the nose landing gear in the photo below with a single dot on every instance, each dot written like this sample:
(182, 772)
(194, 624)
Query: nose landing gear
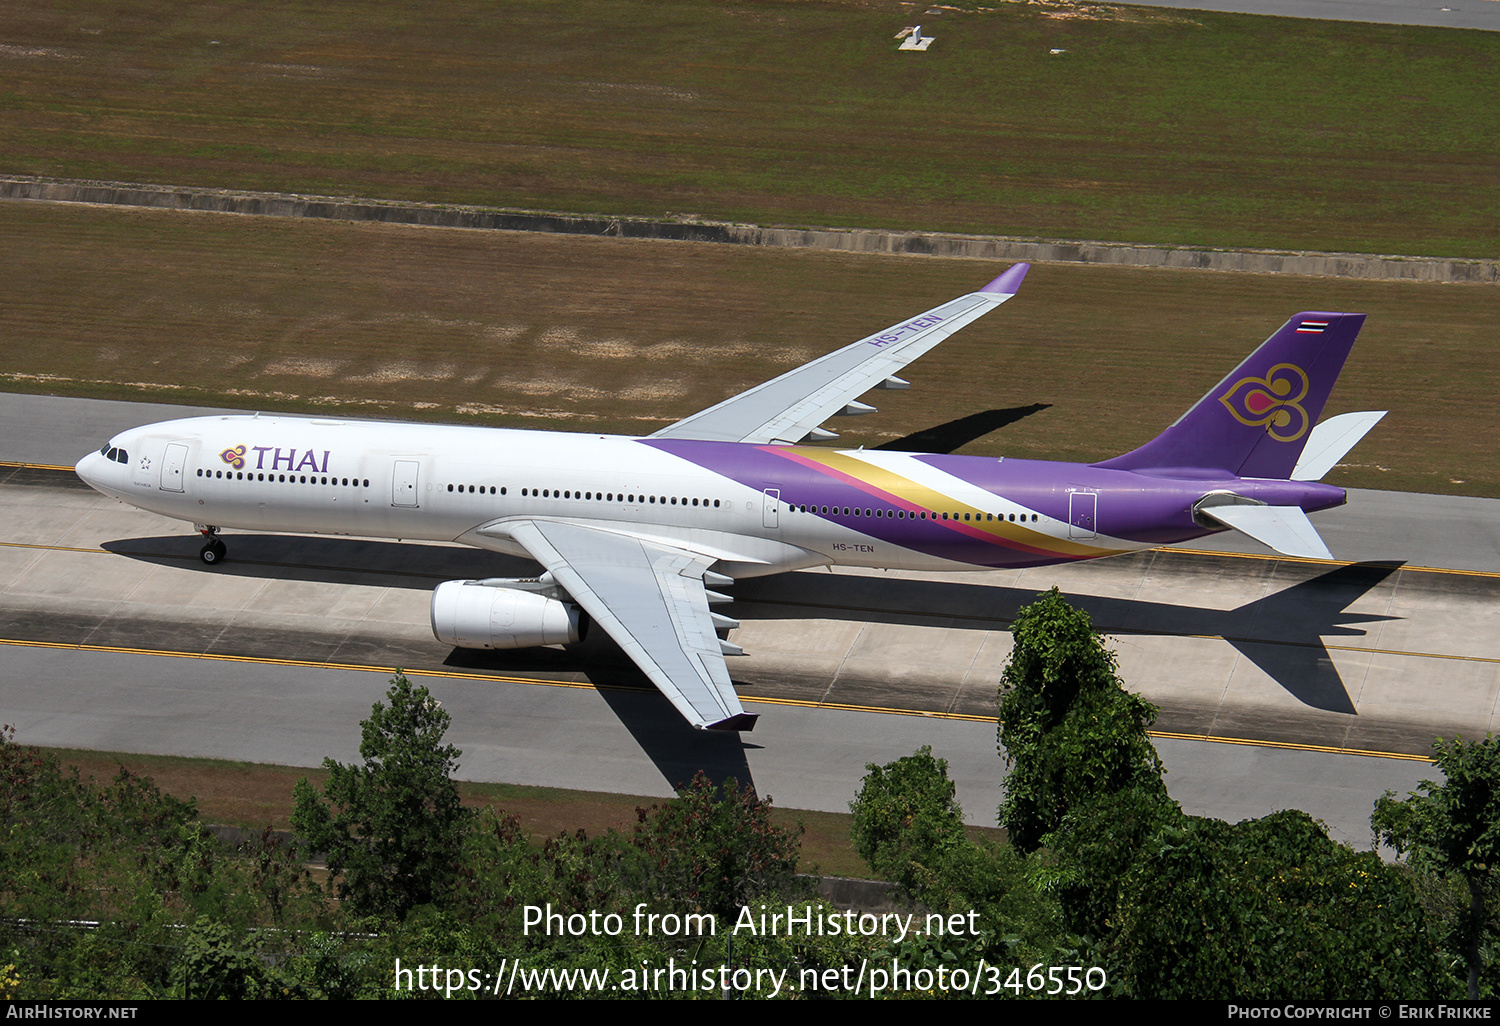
(214, 551)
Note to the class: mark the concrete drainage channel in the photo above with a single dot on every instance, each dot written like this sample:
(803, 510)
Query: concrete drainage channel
(851, 240)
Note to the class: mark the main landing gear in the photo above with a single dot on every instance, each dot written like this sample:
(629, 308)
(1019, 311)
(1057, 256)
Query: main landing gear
(214, 550)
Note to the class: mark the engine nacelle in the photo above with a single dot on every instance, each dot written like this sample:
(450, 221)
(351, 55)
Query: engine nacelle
(471, 614)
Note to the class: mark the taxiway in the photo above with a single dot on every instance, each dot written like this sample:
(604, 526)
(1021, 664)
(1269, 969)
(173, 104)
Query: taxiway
(116, 637)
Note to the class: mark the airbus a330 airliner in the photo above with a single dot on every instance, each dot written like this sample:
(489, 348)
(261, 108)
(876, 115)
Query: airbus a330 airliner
(638, 535)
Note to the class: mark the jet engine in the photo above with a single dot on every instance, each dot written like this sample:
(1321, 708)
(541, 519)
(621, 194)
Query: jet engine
(505, 613)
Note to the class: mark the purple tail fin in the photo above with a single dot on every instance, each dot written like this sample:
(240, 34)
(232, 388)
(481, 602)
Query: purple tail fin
(1255, 422)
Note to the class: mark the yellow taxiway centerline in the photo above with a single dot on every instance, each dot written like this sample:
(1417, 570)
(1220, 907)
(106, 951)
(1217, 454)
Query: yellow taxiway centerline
(584, 686)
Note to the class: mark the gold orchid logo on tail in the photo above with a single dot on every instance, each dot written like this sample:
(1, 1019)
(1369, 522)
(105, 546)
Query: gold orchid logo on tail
(1272, 402)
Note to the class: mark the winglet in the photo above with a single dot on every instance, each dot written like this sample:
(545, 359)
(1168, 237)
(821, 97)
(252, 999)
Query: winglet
(790, 408)
(1009, 283)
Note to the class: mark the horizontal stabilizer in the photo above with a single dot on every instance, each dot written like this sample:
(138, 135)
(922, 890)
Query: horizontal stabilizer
(1284, 528)
(1331, 441)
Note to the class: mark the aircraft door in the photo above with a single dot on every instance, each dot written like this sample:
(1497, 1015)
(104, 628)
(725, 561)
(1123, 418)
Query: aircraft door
(1083, 510)
(770, 505)
(404, 484)
(171, 467)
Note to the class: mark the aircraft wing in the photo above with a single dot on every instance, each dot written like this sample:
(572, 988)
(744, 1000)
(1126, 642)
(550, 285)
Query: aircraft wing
(789, 408)
(652, 600)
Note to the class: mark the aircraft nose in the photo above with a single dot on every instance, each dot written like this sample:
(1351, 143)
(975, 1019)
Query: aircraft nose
(88, 468)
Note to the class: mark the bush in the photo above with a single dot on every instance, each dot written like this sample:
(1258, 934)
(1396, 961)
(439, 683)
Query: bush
(1069, 730)
(393, 828)
(714, 849)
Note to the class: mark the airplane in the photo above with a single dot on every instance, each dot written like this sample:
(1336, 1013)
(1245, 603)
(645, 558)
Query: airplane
(638, 535)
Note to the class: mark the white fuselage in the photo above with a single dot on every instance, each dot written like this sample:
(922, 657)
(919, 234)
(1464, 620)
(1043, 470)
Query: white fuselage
(432, 482)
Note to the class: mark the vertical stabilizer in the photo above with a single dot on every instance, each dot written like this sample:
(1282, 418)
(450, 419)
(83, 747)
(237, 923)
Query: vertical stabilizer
(1256, 421)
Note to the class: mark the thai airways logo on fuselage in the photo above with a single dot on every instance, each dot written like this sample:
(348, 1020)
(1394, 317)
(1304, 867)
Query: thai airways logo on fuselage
(1273, 402)
(280, 459)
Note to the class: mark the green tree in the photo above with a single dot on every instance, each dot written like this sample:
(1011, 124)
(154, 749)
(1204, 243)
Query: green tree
(1068, 728)
(393, 828)
(132, 860)
(1268, 909)
(1453, 830)
(909, 828)
(907, 820)
(1090, 853)
(713, 849)
(215, 963)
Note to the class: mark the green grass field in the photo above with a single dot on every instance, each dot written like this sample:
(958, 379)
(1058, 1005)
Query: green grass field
(1152, 126)
(576, 333)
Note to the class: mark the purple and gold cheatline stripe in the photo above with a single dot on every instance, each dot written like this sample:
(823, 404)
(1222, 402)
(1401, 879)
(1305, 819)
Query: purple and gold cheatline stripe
(816, 478)
(917, 498)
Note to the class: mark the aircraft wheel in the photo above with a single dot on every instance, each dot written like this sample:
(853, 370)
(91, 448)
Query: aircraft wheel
(213, 552)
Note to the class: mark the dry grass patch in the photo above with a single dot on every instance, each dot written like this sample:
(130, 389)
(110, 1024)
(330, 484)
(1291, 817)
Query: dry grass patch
(574, 333)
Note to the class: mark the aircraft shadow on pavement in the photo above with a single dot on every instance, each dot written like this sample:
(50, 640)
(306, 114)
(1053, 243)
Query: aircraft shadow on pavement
(392, 564)
(676, 749)
(1283, 633)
